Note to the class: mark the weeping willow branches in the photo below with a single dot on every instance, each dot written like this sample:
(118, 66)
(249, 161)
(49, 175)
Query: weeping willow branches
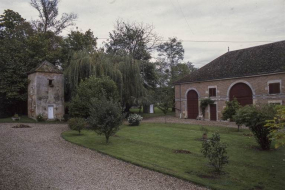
(124, 71)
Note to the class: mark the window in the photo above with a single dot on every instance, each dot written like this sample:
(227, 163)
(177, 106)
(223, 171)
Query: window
(274, 88)
(212, 92)
(50, 83)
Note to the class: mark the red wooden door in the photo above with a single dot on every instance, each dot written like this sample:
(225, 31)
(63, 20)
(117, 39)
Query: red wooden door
(242, 93)
(192, 104)
(213, 112)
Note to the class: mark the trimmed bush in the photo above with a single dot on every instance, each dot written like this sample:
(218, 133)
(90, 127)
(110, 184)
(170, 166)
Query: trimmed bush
(77, 124)
(134, 119)
(215, 151)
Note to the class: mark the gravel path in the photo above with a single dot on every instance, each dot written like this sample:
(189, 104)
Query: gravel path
(172, 119)
(38, 158)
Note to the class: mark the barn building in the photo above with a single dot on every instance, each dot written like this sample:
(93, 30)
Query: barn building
(253, 75)
(46, 92)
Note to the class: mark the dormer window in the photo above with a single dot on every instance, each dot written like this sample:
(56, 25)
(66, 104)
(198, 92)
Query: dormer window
(50, 84)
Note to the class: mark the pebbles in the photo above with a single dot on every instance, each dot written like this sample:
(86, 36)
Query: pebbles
(38, 158)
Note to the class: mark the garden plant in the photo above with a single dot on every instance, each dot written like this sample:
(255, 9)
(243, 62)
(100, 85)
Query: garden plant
(216, 152)
(134, 119)
(254, 117)
(77, 124)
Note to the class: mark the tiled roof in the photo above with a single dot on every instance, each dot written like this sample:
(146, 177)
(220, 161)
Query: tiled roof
(264, 59)
(46, 67)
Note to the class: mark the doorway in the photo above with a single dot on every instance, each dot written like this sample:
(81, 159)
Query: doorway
(213, 112)
(50, 112)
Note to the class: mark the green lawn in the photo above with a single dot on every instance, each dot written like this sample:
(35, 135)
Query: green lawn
(25, 119)
(152, 146)
(157, 113)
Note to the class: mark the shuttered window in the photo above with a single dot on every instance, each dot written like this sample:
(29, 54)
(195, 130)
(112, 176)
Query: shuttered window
(274, 88)
(212, 92)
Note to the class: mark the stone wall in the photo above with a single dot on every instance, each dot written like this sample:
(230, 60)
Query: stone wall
(258, 84)
(41, 94)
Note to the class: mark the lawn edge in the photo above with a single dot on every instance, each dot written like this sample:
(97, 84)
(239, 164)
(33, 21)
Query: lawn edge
(130, 162)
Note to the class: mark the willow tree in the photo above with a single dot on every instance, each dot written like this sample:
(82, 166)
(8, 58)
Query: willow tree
(124, 71)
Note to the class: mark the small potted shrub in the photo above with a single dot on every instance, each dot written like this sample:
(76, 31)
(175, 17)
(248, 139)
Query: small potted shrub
(205, 133)
(134, 119)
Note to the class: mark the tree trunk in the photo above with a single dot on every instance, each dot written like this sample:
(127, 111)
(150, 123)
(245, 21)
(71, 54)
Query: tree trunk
(107, 139)
(127, 108)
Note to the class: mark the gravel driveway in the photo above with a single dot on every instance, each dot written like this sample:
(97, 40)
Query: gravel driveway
(38, 158)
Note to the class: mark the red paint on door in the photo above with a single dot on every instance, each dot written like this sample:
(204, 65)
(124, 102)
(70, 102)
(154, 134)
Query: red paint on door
(213, 112)
(192, 104)
(242, 92)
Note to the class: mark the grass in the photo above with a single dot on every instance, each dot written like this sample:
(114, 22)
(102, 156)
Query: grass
(153, 145)
(26, 119)
(157, 113)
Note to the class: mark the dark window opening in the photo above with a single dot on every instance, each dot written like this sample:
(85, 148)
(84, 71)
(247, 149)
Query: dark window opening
(274, 88)
(50, 83)
(212, 92)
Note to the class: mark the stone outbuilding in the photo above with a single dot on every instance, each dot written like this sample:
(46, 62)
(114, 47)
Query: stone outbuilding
(46, 92)
(253, 75)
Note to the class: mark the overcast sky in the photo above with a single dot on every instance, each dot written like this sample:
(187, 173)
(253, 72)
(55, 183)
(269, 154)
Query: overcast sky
(198, 23)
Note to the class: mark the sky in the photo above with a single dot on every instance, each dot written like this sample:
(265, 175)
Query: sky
(207, 28)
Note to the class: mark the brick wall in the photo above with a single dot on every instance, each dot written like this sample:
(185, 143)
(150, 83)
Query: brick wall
(258, 84)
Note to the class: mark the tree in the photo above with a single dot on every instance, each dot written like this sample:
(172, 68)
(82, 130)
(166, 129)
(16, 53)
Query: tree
(230, 110)
(215, 151)
(179, 71)
(255, 119)
(48, 13)
(92, 87)
(15, 62)
(164, 97)
(105, 116)
(277, 127)
(170, 52)
(77, 41)
(133, 39)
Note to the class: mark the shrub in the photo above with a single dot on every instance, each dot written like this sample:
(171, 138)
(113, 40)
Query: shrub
(77, 124)
(16, 116)
(254, 117)
(277, 127)
(134, 119)
(91, 88)
(230, 109)
(215, 151)
(40, 118)
(105, 116)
